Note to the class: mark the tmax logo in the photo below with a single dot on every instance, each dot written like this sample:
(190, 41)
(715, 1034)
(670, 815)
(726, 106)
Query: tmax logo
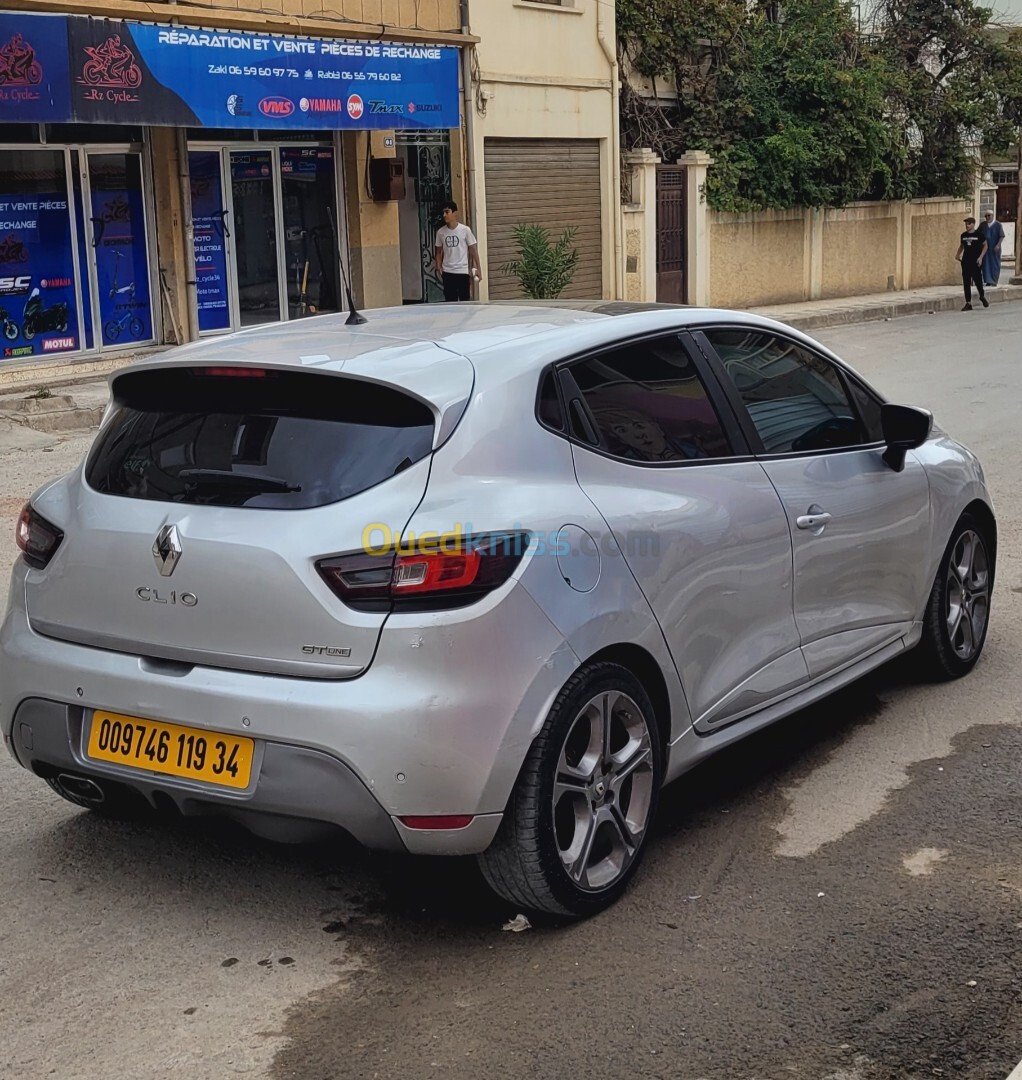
(15, 284)
(356, 106)
(276, 106)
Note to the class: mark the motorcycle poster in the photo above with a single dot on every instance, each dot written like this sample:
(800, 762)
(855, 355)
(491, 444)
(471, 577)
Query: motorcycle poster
(38, 310)
(122, 266)
(34, 80)
(211, 225)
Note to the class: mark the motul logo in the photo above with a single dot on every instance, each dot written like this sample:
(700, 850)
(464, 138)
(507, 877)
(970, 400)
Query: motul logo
(356, 106)
(276, 106)
(53, 343)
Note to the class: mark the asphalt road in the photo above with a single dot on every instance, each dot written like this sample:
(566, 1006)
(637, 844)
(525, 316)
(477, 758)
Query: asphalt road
(839, 898)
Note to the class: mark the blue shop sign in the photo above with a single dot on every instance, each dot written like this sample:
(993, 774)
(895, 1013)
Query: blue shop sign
(56, 68)
(34, 83)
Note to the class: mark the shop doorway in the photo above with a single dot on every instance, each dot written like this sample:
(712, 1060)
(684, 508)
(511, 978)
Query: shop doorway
(266, 234)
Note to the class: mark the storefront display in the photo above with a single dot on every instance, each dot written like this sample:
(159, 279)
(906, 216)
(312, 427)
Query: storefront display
(209, 223)
(38, 309)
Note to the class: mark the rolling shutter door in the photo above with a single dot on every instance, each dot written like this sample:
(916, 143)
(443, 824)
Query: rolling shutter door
(549, 182)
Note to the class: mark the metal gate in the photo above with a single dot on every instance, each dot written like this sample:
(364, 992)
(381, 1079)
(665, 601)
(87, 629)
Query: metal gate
(429, 168)
(671, 187)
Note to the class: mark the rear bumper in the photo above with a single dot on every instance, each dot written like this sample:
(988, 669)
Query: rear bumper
(438, 725)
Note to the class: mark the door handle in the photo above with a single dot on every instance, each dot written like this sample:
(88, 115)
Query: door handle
(816, 520)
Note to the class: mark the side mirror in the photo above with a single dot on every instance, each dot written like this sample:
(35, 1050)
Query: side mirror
(905, 427)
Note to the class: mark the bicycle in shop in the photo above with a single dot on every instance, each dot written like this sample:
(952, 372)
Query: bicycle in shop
(114, 327)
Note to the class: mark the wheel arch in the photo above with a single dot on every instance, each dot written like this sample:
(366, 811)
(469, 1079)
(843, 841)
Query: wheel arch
(985, 516)
(644, 666)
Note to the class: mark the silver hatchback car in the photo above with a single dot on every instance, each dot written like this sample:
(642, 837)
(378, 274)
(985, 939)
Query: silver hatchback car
(477, 579)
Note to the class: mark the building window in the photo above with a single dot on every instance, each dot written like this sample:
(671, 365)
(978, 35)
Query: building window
(1005, 176)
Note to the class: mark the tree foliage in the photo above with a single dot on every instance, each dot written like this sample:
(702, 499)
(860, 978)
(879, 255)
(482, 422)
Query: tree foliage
(799, 106)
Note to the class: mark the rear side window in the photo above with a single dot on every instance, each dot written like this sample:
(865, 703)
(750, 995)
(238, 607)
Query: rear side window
(649, 404)
(272, 440)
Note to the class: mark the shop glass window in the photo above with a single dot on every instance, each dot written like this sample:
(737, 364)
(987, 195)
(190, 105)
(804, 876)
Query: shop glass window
(38, 299)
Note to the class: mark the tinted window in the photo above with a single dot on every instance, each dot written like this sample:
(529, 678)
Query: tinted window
(649, 404)
(796, 399)
(549, 405)
(279, 441)
(869, 411)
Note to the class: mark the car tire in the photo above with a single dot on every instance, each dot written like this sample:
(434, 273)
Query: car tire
(957, 613)
(119, 804)
(579, 818)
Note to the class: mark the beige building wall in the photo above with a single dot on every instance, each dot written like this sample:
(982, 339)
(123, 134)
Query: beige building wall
(775, 257)
(757, 255)
(546, 71)
(937, 225)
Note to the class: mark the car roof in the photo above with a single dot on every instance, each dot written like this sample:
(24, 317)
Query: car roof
(439, 350)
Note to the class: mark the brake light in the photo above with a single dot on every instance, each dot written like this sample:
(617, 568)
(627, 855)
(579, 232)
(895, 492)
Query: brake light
(425, 580)
(233, 372)
(37, 537)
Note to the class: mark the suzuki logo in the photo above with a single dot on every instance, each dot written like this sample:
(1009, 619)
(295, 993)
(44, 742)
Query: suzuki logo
(167, 549)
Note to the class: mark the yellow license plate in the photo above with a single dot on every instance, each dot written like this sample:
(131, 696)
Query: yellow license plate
(171, 749)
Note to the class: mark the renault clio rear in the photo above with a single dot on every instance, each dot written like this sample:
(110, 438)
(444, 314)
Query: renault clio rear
(476, 580)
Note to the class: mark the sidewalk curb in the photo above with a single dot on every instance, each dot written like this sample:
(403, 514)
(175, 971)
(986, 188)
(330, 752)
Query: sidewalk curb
(893, 310)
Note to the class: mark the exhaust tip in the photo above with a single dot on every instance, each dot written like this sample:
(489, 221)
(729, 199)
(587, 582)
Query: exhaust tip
(81, 789)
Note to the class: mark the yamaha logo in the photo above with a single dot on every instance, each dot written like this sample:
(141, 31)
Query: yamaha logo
(356, 106)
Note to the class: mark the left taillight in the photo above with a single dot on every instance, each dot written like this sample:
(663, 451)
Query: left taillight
(37, 537)
(426, 580)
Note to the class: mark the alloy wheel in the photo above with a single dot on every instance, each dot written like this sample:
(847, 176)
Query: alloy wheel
(968, 594)
(603, 790)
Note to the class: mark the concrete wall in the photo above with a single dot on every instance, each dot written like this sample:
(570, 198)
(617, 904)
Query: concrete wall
(543, 73)
(756, 254)
(776, 257)
(936, 226)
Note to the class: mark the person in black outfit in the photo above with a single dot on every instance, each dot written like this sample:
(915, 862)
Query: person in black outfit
(971, 249)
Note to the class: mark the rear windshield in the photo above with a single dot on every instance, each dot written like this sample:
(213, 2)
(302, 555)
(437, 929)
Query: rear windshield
(269, 439)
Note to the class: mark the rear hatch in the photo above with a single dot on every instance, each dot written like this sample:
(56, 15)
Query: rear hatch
(194, 529)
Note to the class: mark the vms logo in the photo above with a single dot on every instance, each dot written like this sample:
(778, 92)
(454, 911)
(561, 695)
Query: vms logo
(356, 106)
(276, 106)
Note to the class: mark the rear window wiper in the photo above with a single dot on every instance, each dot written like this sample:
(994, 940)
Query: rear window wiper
(194, 478)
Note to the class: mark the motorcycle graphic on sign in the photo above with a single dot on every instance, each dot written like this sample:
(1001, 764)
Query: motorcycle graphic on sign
(18, 65)
(12, 250)
(111, 64)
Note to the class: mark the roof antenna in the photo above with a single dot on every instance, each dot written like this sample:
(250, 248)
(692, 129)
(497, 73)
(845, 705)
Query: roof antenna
(354, 317)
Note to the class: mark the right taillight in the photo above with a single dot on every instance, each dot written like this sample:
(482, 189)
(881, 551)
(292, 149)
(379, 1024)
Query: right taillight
(428, 579)
(37, 537)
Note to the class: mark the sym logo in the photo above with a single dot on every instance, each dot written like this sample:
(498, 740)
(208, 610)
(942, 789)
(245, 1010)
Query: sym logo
(356, 106)
(276, 106)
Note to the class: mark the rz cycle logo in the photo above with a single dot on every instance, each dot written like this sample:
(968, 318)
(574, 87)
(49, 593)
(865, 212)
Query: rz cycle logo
(111, 64)
(276, 106)
(18, 65)
(12, 250)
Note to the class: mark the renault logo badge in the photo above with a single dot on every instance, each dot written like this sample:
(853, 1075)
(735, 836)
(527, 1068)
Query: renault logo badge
(167, 549)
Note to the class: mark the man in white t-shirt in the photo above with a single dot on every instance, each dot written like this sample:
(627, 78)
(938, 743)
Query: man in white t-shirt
(457, 256)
